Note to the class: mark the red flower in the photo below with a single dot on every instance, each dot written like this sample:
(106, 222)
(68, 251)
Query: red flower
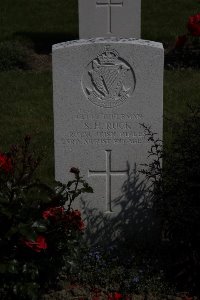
(70, 219)
(180, 41)
(37, 246)
(53, 212)
(194, 25)
(115, 296)
(5, 163)
(73, 220)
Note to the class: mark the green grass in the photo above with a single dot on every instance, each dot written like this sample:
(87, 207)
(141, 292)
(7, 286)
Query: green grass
(181, 89)
(26, 108)
(38, 16)
(164, 20)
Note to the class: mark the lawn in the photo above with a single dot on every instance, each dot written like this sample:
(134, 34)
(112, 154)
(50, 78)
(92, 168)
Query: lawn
(26, 108)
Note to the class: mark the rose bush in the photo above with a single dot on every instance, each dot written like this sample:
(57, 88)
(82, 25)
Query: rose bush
(39, 231)
(193, 26)
(5, 163)
(38, 245)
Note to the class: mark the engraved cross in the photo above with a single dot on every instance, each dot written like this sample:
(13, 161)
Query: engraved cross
(109, 4)
(108, 173)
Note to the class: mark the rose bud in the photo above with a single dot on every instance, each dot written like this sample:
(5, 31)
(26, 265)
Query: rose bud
(75, 171)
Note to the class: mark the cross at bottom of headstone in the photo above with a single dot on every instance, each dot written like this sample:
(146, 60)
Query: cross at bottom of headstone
(108, 173)
(109, 4)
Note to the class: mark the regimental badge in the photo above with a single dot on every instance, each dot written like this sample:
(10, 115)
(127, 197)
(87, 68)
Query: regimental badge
(108, 80)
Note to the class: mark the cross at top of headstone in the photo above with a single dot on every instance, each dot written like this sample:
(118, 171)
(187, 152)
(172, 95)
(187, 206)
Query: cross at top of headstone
(107, 18)
(109, 4)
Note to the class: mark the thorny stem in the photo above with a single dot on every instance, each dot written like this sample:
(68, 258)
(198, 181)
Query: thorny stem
(72, 197)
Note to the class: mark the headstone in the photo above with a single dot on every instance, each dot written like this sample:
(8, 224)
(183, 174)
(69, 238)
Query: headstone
(104, 90)
(107, 18)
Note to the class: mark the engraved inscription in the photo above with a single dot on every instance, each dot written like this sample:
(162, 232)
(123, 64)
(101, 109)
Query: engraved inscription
(91, 128)
(85, 115)
(108, 80)
(108, 173)
(109, 4)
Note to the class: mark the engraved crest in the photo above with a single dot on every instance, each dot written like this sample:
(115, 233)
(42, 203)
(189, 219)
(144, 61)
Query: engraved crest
(109, 80)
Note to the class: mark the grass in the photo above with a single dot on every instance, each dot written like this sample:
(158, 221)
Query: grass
(36, 16)
(180, 88)
(164, 20)
(26, 108)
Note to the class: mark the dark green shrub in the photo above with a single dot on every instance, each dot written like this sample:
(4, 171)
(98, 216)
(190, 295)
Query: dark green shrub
(176, 198)
(39, 231)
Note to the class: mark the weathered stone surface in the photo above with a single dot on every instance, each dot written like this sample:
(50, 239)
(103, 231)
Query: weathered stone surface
(104, 89)
(106, 18)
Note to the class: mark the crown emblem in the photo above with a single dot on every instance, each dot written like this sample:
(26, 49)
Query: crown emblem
(108, 80)
(108, 56)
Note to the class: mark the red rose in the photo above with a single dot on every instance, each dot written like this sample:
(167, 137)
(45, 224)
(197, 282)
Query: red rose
(37, 246)
(194, 25)
(53, 212)
(73, 220)
(180, 41)
(5, 163)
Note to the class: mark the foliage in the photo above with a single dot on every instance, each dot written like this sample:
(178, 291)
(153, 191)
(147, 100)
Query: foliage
(39, 231)
(175, 190)
(193, 34)
(113, 269)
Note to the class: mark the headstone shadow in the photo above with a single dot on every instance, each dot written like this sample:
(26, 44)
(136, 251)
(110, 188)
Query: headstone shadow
(43, 41)
(132, 225)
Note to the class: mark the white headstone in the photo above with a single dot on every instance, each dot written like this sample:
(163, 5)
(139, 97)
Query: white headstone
(107, 18)
(104, 89)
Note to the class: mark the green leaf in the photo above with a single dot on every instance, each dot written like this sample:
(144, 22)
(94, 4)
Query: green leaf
(87, 189)
(27, 231)
(3, 268)
(5, 211)
(40, 226)
(3, 198)
(11, 232)
(69, 184)
(27, 290)
(30, 271)
(13, 267)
